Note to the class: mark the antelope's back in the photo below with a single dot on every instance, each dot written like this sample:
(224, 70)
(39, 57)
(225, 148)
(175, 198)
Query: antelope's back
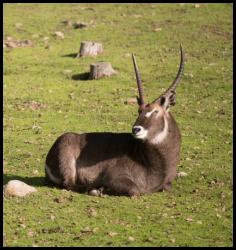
(100, 147)
(90, 148)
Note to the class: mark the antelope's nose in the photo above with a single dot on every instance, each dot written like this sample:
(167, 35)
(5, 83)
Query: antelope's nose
(136, 129)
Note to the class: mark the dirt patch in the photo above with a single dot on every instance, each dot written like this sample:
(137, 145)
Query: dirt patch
(10, 42)
(216, 30)
(33, 105)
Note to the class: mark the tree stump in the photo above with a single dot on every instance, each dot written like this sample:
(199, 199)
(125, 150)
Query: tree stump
(101, 69)
(90, 49)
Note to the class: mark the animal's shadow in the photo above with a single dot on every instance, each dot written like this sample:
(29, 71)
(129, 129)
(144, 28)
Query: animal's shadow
(39, 182)
(32, 181)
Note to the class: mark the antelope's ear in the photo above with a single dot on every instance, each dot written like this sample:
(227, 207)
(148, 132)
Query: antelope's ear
(168, 99)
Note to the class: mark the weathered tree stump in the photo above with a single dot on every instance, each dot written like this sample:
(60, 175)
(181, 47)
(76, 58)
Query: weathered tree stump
(90, 49)
(101, 69)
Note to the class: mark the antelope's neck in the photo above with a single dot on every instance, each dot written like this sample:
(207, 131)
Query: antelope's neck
(153, 154)
(163, 154)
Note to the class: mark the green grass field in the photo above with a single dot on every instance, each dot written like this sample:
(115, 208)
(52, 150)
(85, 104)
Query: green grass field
(43, 97)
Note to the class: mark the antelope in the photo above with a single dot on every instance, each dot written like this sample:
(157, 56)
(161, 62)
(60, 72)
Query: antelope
(130, 164)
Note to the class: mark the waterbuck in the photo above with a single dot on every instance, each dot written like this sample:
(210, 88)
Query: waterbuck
(131, 164)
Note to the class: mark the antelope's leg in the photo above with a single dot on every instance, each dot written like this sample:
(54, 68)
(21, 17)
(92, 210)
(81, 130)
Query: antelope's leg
(67, 168)
(122, 186)
(167, 186)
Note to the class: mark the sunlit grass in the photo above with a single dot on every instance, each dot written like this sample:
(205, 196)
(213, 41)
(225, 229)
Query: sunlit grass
(198, 211)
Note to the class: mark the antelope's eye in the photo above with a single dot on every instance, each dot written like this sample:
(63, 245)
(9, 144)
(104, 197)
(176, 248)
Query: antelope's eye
(156, 111)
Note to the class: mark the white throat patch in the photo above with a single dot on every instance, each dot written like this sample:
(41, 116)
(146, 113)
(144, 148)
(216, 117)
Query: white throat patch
(159, 138)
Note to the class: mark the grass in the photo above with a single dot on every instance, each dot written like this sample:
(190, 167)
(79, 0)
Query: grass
(41, 101)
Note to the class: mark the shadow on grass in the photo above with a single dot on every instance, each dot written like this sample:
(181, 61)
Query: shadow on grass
(82, 76)
(32, 181)
(73, 55)
(40, 182)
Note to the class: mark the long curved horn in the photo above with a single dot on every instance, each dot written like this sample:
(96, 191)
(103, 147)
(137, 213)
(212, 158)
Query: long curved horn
(177, 78)
(139, 82)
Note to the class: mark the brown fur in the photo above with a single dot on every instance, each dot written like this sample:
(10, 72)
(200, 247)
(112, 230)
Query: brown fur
(119, 163)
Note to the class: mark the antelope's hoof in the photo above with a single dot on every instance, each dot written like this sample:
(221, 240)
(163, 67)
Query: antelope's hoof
(134, 194)
(95, 192)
